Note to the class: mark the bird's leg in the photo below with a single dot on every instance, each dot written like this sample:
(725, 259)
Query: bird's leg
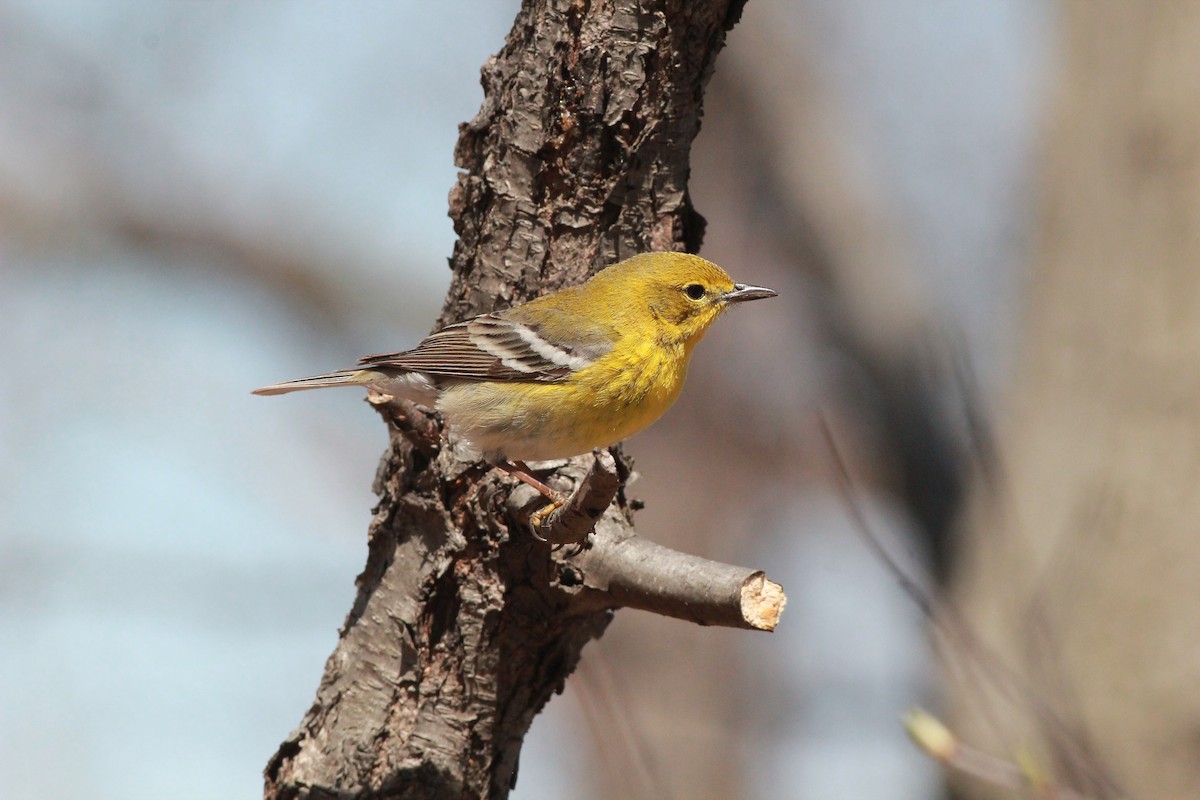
(520, 470)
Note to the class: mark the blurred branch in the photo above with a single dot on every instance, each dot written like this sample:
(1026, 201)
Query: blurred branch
(1084, 573)
(86, 153)
(832, 212)
(830, 216)
(1024, 777)
(982, 664)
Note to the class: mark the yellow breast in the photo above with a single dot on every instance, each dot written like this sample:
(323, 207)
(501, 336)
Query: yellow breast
(600, 405)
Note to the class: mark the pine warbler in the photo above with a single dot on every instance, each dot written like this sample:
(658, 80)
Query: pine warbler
(581, 368)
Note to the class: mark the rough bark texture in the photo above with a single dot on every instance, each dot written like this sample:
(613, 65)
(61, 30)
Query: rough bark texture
(464, 624)
(579, 156)
(1089, 573)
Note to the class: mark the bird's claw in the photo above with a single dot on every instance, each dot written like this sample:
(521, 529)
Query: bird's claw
(539, 517)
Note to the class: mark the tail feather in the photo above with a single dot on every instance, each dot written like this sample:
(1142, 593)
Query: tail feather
(345, 377)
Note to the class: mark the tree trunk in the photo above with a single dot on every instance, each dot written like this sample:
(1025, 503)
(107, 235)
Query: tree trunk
(1087, 573)
(464, 624)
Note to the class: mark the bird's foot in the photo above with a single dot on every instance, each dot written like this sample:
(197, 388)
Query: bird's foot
(520, 470)
(539, 517)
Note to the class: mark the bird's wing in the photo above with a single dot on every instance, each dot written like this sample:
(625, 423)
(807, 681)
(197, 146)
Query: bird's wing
(500, 347)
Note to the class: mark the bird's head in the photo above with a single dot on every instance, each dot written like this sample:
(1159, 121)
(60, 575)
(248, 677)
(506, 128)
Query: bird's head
(679, 294)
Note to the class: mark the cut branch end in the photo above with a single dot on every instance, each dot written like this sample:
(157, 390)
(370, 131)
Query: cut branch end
(763, 602)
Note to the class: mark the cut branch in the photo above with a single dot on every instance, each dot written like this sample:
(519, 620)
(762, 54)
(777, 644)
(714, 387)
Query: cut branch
(637, 573)
(622, 570)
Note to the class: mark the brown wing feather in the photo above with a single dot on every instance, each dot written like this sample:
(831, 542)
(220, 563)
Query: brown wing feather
(457, 351)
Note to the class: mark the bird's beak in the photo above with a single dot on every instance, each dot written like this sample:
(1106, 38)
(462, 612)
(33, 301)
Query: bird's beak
(742, 292)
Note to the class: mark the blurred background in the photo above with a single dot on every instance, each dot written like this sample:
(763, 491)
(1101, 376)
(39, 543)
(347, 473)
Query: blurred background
(973, 212)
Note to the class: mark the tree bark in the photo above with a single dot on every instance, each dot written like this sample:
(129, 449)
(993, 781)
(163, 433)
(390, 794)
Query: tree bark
(464, 624)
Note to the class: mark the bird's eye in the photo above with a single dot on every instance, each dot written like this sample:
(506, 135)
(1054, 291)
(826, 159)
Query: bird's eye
(694, 291)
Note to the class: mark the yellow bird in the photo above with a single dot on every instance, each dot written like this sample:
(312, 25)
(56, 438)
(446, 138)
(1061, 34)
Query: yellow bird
(578, 369)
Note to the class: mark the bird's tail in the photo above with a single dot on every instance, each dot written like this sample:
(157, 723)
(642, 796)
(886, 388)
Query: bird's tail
(345, 377)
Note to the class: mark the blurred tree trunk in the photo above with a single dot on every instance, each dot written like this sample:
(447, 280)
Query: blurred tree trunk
(1087, 568)
(464, 625)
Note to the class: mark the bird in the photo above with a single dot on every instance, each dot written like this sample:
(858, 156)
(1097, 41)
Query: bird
(578, 369)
